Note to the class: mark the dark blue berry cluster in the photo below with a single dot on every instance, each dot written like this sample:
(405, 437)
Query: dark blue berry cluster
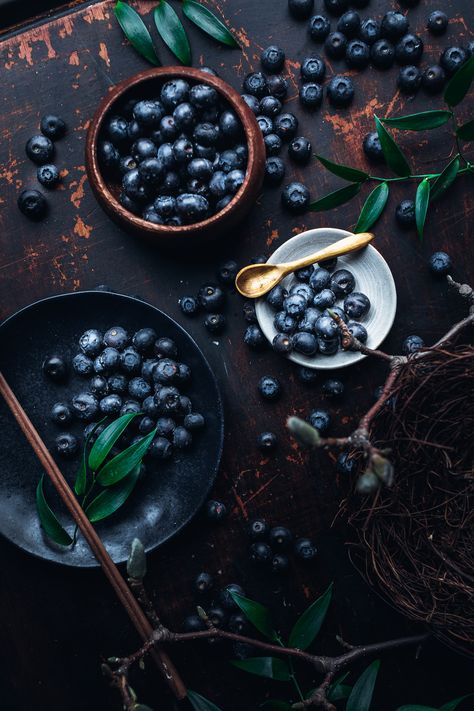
(138, 374)
(181, 156)
(270, 546)
(40, 150)
(211, 298)
(220, 608)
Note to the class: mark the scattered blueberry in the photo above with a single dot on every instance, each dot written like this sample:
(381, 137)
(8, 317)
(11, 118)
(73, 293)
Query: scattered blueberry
(433, 79)
(335, 45)
(340, 91)
(280, 538)
(280, 563)
(320, 420)
(269, 388)
(300, 9)
(254, 337)
(412, 344)
(55, 368)
(437, 22)
(382, 54)
(409, 49)
(409, 79)
(295, 197)
(304, 549)
(274, 170)
(299, 150)
(61, 414)
(345, 464)
(319, 28)
(349, 24)
(440, 263)
(405, 214)
(332, 387)
(311, 95)
(215, 323)
(258, 529)
(373, 148)
(203, 583)
(267, 441)
(32, 204)
(260, 553)
(52, 127)
(452, 58)
(67, 445)
(272, 59)
(215, 510)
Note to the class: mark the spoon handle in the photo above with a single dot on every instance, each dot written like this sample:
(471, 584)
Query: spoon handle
(342, 246)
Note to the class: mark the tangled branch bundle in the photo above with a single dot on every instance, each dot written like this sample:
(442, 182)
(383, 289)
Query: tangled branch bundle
(417, 536)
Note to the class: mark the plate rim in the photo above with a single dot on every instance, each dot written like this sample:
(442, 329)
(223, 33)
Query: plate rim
(340, 233)
(94, 564)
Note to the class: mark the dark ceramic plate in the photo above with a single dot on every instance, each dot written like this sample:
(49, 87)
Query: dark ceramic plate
(162, 503)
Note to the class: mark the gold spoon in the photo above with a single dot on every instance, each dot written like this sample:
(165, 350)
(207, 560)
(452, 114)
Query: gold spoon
(257, 279)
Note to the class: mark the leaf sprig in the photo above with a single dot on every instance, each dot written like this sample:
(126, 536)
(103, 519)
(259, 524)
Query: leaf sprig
(171, 29)
(103, 482)
(430, 186)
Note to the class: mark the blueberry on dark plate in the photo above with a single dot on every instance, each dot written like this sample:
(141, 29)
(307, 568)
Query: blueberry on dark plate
(357, 54)
(276, 296)
(107, 361)
(369, 31)
(345, 464)
(61, 414)
(272, 59)
(82, 365)
(52, 126)
(342, 282)
(409, 79)
(277, 86)
(295, 197)
(433, 79)
(326, 328)
(252, 102)
(215, 510)
(148, 113)
(319, 28)
(111, 404)
(405, 214)
(203, 583)
(324, 299)
(39, 149)
(356, 305)
(311, 95)
(165, 426)
(139, 388)
(254, 338)
(165, 371)
(215, 323)
(409, 49)
(280, 563)
(160, 448)
(260, 553)
(256, 84)
(258, 529)
(85, 406)
(333, 387)
(269, 106)
(146, 425)
(182, 439)
(98, 385)
(117, 383)
(48, 175)
(412, 344)
(452, 58)
(358, 331)
(280, 538)
(192, 208)
(335, 45)
(55, 368)
(308, 376)
(320, 279)
(32, 204)
(144, 339)
(440, 263)
(313, 68)
(300, 9)
(304, 343)
(328, 347)
(285, 125)
(90, 342)
(211, 297)
(227, 271)
(116, 337)
(267, 441)
(382, 54)
(320, 419)
(150, 408)
(340, 91)
(305, 549)
(437, 22)
(67, 445)
(274, 170)
(269, 388)
(284, 323)
(394, 25)
(349, 24)
(194, 421)
(299, 150)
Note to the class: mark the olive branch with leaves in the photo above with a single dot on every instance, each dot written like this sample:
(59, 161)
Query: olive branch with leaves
(430, 185)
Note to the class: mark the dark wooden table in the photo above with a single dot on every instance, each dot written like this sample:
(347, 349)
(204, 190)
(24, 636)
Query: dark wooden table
(55, 623)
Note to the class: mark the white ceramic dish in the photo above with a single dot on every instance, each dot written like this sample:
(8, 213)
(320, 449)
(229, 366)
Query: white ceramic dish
(373, 277)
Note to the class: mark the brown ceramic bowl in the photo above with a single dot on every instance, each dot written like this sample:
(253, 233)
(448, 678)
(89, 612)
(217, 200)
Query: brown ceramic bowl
(147, 84)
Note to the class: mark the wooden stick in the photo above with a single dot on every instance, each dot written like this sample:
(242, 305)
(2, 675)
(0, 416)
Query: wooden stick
(124, 594)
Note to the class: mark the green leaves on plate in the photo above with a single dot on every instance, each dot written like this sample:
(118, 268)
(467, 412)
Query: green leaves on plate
(80, 485)
(343, 171)
(421, 205)
(336, 198)
(466, 131)
(459, 84)
(420, 121)
(360, 697)
(208, 22)
(106, 440)
(392, 153)
(172, 31)
(257, 614)
(445, 179)
(200, 703)
(111, 499)
(136, 31)
(48, 520)
(268, 667)
(372, 208)
(308, 625)
(123, 463)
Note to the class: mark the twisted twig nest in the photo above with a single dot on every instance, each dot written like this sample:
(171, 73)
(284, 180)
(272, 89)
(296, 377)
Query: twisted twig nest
(416, 538)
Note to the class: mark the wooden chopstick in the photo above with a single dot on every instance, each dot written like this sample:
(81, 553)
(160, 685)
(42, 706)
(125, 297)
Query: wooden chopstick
(124, 594)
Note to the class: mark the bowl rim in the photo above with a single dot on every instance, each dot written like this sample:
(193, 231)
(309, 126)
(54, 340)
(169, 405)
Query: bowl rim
(337, 233)
(115, 93)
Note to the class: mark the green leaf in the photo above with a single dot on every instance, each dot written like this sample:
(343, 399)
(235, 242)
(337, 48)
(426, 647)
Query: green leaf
(269, 667)
(338, 690)
(136, 31)
(362, 691)
(48, 520)
(110, 500)
(343, 171)
(308, 625)
(121, 465)
(415, 707)
(208, 22)
(451, 705)
(336, 198)
(275, 705)
(459, 84)
(106, 440)
(200, 703)
(420, 121)
(80, 484)
(257, 614)
(466, 131)
(172, 31)
(422, 200)
(392, 153)
(445, 179)
(372, 208)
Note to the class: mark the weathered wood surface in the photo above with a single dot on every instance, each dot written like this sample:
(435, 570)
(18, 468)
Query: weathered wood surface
(56, 624)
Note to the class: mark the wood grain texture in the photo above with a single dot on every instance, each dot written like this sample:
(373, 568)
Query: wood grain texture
(56, 625)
